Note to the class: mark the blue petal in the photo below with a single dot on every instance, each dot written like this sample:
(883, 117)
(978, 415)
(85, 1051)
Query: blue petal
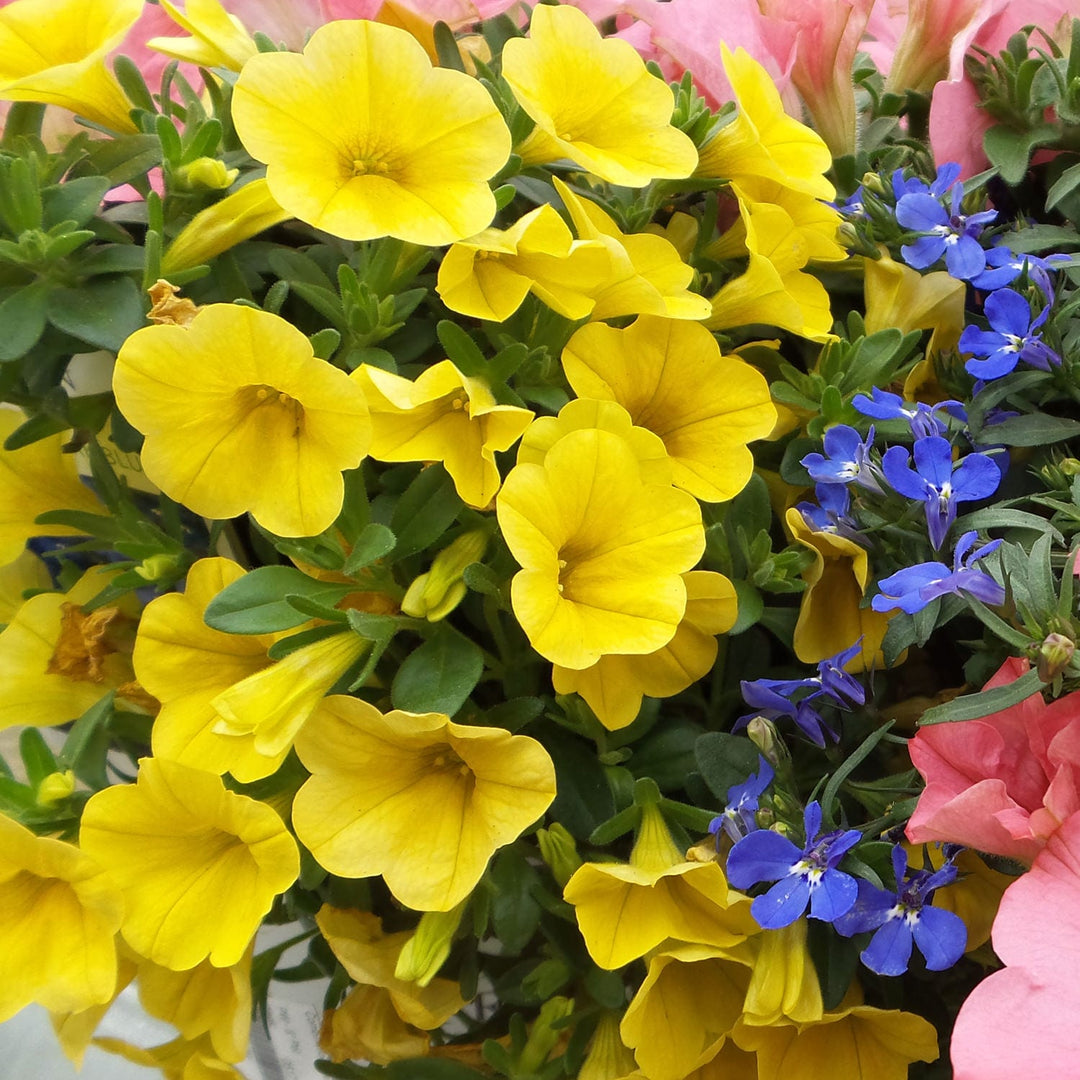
(982, 586)
(1008, 312)
(976, 477)
(923, 252)
(994, 366)
(783, 903)
(920, 213)
(981, 342)
(890, 948)
(761, 856)
(945, 178)
(870, 910)
(894, 464)
(933, 460)
(965, 258)
(941, 937)
(834, 896)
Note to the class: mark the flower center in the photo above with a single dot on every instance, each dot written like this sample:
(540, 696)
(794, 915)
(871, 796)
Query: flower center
(372, 165)
(261, 396)
(445, 759)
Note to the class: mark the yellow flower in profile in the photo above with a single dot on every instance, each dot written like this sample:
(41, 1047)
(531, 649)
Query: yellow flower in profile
(240, 415)
(594, 101)
(784, 985)
(442, 416)
(763, 141)
(217, 39)
(602, 550)
(816, 223)
(178, 845)
(59, 914)
(624, 910)
(417, 798)
(54, 51)
(223, 225)
(672, 379)
(34, 480)
(363, 138)
(615, 685)
(384, 1018)
(489, 275)
(75, 1030)
(831, 615)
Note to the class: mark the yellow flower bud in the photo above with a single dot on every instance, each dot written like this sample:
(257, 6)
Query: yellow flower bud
(434, 595)
(426, 951)
(205, 173)
(157, 567)
(55, 787)
(545, 1035)
(558, 850)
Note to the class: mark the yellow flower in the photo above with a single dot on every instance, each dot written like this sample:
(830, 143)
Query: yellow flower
(615, 685)
(763, 141)
(75, 1030)
(417, 798)
(607, 1058)
(180, 1059)
(59, 915)
(690, 1000)
(626, 909)
(53, 51)
(646, 276)
(603, 551)
(383, 1018)
(442, 416)
(831, 617)
(434, 594)
(364, 138)
(816, 223)
(594, 101)
(240, 415)
(784, 984)
(217, 39)
(672, 379)
(34, 480)
(223, 225)
(178, 845)
(488, 275)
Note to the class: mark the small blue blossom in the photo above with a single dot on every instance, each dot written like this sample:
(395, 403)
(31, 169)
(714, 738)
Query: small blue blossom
(737, 818)
(846, 459)
(912, 185)
(946, 232)
(806, 877)
(843, 688)
(830, 514)
(1014, 337)
(913, 588)
(922, 418)
(1003, 268)
(905, 917)
(854, 206)
(937, 483)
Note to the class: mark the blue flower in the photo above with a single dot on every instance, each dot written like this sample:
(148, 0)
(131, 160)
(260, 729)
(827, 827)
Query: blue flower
(806, 877)
(1014, 337)
(843, 688)
(912, 589)
(946, 232)
(854, 206)
(832, 513)
(912, 185)
(1003, 268)
(905, 917)
(922, 418)
(937, 483)
(846, 459)
(737, 818)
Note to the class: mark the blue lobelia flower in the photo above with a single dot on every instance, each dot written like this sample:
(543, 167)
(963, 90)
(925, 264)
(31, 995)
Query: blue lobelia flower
(913, 588)
(937, 482)
(912, 185)
(905, 917)
(846, 459)
(1003, 267)
(1014, 337)
(831, 515)
(946, 232)
(806, 877)
(922, 418)
(737, 818)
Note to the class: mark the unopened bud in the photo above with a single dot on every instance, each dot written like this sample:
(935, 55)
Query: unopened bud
(1070, 466)
(158, 567)
(766, 738)
(205, 173)
(426, 951)
(544, 1034)
(434, 595)
(55, 787)
(559, 851)
(1053, 656)
(872, 182)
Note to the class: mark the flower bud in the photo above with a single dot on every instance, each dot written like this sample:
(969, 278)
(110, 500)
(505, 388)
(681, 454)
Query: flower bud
(873, 182)
(205, 173)
(558, 850)
(426, 951)
(55, 787)
(158, 568)
(764, 736)
(434, 595)
(544, 1035)
(1053, 656)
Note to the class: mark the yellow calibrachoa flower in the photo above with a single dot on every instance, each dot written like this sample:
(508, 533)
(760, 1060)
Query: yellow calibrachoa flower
(816, 223)
(672, 379)
(489, 275)
(442, 416)
(217, 39)
(784, 984)
(384, 1018)
(594, 101)
(59, 914)
(626, 909)
(240, 415)
(54, 52)
(34, 480)
(237, 217)
(364, 138)
(417, 798)
(763, 141)
(615, 685)
(608, 1057)
(178, 845)
(75, 1030)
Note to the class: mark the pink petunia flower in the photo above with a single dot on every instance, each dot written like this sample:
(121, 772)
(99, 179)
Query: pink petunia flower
(1002, 784)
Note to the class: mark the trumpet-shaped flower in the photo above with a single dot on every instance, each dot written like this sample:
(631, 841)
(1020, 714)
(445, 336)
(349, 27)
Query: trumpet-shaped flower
(615, 685)
(55, 53)
(594, 101)
(608, 1057)
(602, 550)
(178, 845)
(59, 914)
(417, 798)
(217, 39)
(784, 986)
(364, 138)
(672, 379)
(442, 416)
(269, 432)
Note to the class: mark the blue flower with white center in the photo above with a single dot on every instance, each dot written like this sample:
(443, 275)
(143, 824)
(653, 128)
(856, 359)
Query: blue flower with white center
(846, 459)
(945, 232)
(922, 418)
(905, 917)
(1003, 268)
(937, 483)
(1014, 337)
(803, 877)
(832, 513)
(737, 818)
(913, 588)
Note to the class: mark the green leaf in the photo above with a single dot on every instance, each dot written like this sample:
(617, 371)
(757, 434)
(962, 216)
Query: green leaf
(73, 200)
(1010, 150)
(835, 960)
(666, 754)
(430, 1069)
(257, 604)
(104, 312)
(751, 606)
(514, 714)
(38, 759)
(461, 349)
(439, 676)
(1003, 517)
(373, 543)
(425, 511)
(1064, 186)
(514, 911)
(1035, 429)
(87, 744)
(23, 315)
(724, 760)
(583, 798)
(985, 702)
(851, 762)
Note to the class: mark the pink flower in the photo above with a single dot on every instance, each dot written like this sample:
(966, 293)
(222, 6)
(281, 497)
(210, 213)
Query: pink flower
(1022, 1021)
(1002, 784)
